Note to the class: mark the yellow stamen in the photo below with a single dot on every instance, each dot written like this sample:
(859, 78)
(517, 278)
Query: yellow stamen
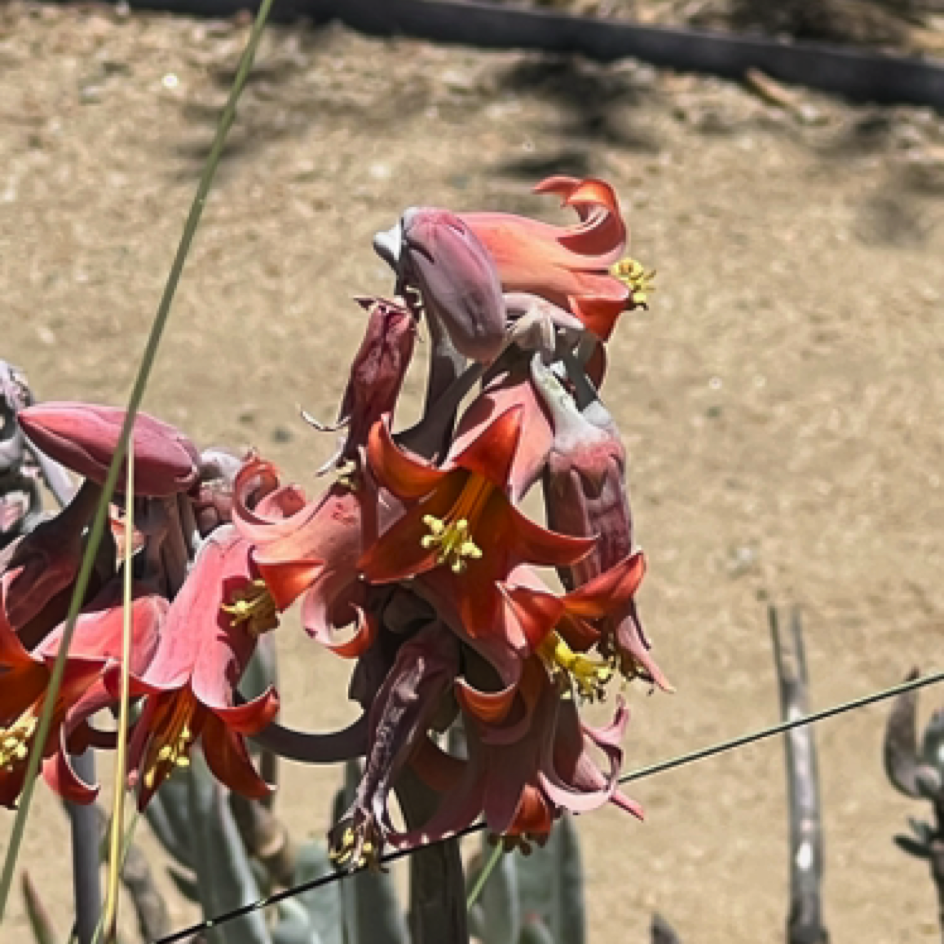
(15, 741)
(453, 534)
(635, 277)
(342, 855)
(346, 475)
(589, 675)
(172, 739)
(254, 606)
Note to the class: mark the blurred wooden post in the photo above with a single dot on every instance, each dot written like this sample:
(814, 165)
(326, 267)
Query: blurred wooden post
(805, 919)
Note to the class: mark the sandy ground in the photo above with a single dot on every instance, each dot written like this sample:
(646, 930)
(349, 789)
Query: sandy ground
(781, 402)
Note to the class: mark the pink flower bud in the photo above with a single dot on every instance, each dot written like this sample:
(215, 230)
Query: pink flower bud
(585, 496)
(83, 437)
(456, 276)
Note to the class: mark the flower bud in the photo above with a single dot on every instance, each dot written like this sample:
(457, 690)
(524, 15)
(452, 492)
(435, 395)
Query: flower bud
(377, 371)
(585, 496)
(84, 437)
(447, 263)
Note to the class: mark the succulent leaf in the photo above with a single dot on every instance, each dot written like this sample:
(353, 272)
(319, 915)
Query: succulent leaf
(224, 875)
(168, 815)
(551, 884)
(535, 931)
(501, 907)
(909, 845)
(322, 905)
(294, 926)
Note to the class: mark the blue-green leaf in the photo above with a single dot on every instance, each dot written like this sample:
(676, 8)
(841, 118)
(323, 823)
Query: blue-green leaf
(224, 875)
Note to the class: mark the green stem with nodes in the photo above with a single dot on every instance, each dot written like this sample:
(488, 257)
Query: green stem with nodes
(137, 395)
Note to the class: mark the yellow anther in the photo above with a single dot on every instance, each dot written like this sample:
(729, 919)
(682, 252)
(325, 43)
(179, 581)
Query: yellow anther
(357, 847)
(589, 675)
(455, 544)
(171, 740)
(346, 475)
(637, 279)
(254, 606)
(15, 741)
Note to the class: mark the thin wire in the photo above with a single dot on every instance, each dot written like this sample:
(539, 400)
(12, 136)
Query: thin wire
(650, 771)
(134, 401)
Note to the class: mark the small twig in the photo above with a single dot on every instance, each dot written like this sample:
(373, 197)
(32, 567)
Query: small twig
(483, 876)
(805, 922)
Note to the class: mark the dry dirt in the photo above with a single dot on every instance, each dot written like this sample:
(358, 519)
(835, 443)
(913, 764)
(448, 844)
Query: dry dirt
(781, 401)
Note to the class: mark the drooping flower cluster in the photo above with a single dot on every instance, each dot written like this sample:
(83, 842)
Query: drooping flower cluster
(419, 544)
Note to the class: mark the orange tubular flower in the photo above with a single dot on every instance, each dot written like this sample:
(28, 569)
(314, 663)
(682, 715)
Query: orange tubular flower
(310, 549)
(207, 640)
(522, 784)
(96, 641)
(460, 533)
(579, 267)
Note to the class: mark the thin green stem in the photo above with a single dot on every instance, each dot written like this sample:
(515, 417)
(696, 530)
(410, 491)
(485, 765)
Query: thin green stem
(115, 855)
(137, 395)
(483, 876)
(125, 847)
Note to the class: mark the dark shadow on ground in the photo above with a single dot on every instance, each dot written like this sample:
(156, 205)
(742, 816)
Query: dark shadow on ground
(595, 105)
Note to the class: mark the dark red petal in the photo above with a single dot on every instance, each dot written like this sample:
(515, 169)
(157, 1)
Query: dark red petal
(399, 552)
(251, 716)
(59, 775)
(608, 591)
(492, 453)
(228, 760)
(396, 470)
(537, 545)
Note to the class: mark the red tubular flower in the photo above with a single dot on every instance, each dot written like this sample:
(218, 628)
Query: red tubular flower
(522, 785)
(507, 390)
(585, 493)
(401, 712)
(84, 437)
(460, 535)
(570, 266)
(208, 638)
(96, 641)
(312, 548)
(443, 258)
